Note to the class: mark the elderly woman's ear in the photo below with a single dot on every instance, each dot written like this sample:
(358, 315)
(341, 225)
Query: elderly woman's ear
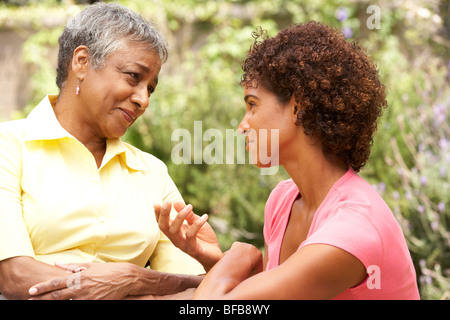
(80, 61)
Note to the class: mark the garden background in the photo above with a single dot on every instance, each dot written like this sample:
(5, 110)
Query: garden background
(409, 163)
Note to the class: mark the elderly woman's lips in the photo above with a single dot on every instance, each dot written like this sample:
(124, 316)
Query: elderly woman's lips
(128, 115)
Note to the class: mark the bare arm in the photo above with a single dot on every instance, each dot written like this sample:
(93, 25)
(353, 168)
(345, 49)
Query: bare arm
(313, 272)
(114, 280)
(18, 274)
(238, 264)
(183, 295)
(266, 256)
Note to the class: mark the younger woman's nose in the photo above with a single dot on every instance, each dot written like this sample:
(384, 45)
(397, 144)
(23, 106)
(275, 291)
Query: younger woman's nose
(243, 126)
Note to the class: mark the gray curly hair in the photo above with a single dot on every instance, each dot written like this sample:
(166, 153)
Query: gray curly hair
(103, 28)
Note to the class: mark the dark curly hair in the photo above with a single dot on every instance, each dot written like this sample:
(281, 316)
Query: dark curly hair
(335, 85)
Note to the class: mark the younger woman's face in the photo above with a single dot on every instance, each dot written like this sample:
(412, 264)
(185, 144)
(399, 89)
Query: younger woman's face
(268, 125)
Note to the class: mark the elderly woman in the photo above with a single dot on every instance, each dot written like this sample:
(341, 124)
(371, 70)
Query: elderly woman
(71, 191)
(328, 234)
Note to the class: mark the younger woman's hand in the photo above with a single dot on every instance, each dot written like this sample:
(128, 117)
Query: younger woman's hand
(189, 232)
(241, 262)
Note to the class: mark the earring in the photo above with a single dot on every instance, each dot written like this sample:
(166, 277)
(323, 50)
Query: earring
(77, 91)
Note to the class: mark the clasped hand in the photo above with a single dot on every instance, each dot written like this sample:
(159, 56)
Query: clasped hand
(86, 281)
(189, 232)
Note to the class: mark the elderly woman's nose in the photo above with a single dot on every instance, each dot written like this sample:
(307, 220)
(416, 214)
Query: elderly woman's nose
(141, 97)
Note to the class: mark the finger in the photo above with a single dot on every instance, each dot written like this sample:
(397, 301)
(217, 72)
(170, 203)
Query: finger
(191, 233)
(179, 205)
(164, 216)
(47, 286)
(157, 209)
(52, 295)
(190, 218)
(63, 294)
(179, 219)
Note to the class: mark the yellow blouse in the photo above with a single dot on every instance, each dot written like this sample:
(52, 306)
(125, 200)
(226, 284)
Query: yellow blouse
(57, 206)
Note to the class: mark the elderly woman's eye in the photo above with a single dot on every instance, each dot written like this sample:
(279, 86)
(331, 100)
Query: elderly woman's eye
(134, 75)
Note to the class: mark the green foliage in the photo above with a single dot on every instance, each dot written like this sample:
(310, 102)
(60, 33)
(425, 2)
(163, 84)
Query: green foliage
(36, 53)
(208, 41)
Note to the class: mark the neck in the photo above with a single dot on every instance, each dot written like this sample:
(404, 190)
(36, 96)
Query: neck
(68, 115)
(314, 175)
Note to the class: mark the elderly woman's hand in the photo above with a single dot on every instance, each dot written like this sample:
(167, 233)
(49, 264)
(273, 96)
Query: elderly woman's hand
(196, 237)
(88, 281)
(112, 281)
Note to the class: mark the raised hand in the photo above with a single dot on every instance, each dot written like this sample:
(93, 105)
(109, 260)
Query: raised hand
(189, 232)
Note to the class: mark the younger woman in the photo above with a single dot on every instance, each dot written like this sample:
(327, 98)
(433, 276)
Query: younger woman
(328, 234)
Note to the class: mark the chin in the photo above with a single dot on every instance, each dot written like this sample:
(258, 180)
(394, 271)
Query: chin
(264, 163)
(117, 133)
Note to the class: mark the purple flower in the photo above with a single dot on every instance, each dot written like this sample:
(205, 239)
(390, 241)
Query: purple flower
(395, 195)
(408, 195)
(442, 171)
(421, 208)
(439, 114)
(426, 279)
(423, 180)
(444, 143)
(422, 263)
(434, 225)
(348, 32)
(342, 14)
(441, 207)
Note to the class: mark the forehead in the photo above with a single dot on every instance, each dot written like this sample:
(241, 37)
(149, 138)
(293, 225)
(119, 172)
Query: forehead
(138, 54)
(257, 91)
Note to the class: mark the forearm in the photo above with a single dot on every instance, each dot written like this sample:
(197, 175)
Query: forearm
(220, 281)
(183, 295)
(239, 263)
(208, 261)
(151, 282)
(18, 274)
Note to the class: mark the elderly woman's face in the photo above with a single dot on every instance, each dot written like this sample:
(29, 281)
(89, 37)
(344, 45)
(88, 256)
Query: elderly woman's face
(118, 93)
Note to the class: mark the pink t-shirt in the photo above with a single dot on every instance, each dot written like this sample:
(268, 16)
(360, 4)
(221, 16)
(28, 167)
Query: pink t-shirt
(354, 218)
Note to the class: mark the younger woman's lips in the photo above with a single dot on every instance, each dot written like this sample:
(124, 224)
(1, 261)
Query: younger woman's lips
(249, 143)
